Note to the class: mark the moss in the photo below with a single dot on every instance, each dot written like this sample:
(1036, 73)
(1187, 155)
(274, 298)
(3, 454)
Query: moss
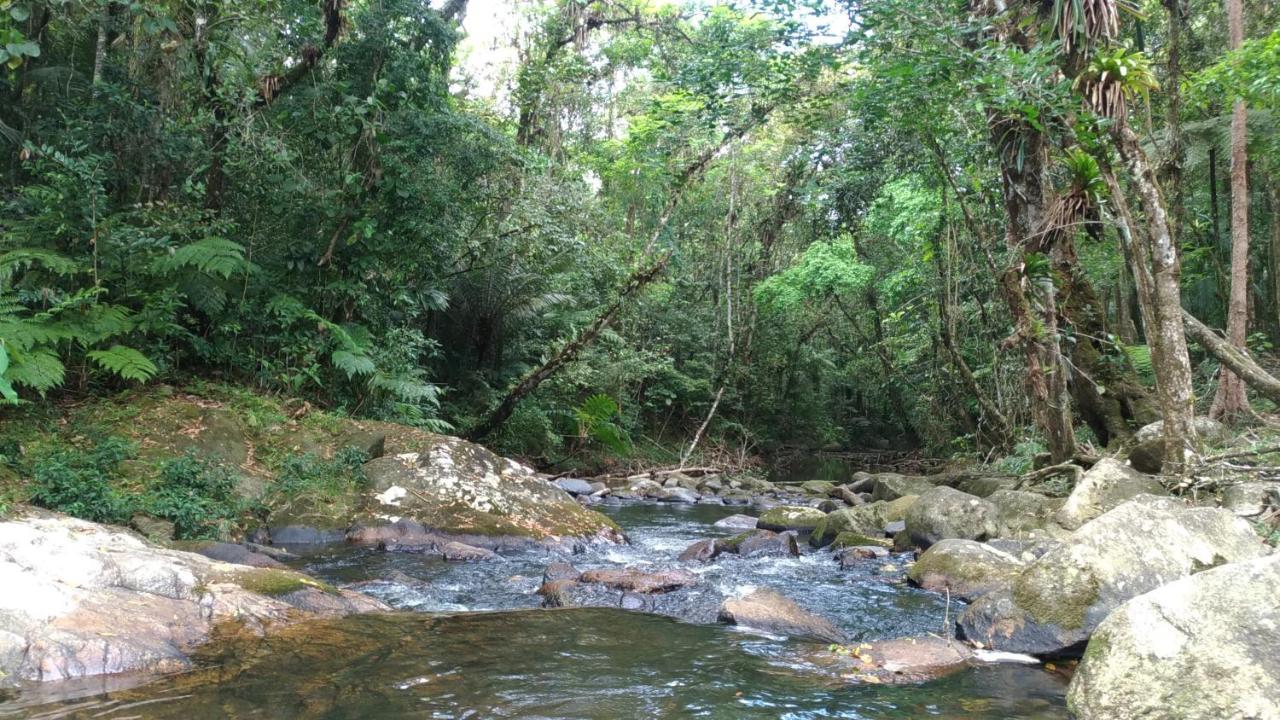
(274, 582)
(853, 539)
(1066, 604)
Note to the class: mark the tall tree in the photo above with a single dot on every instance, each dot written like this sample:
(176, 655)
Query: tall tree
(1231, 400)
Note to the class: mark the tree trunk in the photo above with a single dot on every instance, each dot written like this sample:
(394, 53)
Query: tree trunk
(1275, 252)
(1156, 253)
(1236, 359)
(1230, 401)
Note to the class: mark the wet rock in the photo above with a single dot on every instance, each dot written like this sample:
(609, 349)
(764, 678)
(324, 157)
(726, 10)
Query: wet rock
(1021, 511)
(965, 568)
(574, 486)
(710, 500)
(896, 510)
(898, 661)
(100, 600)
(829, 505)
(891, 486)
(895, 527)
(710, 485)
(1200, 648)
(761, 543)
(943, 512)
(865, 520)
(851, 556)
(1057, 601)
(1106, 485)
(790, 517)
(639, 580)
(679, 495)
(770, 611)
(1210, 431)
(847, 496)
(306, 535)
(1027, 549)
(560, 571)
(459, 488)
(861, 482)
(736, 497)
(460, 552)
(1251, 498)
(751, 484)
(232, 553)
(701, 551)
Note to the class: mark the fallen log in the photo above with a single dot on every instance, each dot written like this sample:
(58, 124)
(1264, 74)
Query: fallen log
(1238, 360)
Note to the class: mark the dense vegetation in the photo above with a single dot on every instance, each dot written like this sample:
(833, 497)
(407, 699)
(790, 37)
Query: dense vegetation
(962, 226)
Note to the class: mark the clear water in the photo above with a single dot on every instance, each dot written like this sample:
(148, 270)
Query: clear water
(439, 658)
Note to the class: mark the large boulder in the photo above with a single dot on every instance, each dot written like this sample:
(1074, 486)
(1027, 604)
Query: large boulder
(770, 611)
(867, 520)
(1201, 648)
(965, 568)
(790, 517)
(86, 599)
(1022, 512)
(1057, 601)
(985, 485)
(1209, 430)
(943, 512)
(891, 486)
(1250, 498)
(1107, 484)
(458, 488)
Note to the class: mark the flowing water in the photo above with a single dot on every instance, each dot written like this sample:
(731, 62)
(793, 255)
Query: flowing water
(470, 643)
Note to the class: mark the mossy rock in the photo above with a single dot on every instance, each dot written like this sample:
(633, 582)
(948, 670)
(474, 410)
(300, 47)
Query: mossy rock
(820, 488)
(964, 568)
(272, 582)
(853, 539)
(790, 517)
(868, 520)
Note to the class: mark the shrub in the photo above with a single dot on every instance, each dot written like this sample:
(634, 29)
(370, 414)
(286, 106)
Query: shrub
(79, 483)
(199, 497)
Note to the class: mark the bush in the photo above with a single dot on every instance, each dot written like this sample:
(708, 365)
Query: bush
(79, 483)
(199, 497)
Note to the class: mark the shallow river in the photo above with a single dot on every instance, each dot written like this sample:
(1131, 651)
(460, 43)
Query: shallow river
(470, 644)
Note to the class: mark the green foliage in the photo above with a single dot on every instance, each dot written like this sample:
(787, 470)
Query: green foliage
(596, 418)
(825, 271)
(198, 496)
(1022, 459)
(81, 483)
(125, 362)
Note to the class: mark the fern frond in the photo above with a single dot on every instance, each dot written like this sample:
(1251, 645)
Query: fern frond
(353, 364)
(125, 362)
(406, 388)
(15, 261)
(212, 256)
(40, 370)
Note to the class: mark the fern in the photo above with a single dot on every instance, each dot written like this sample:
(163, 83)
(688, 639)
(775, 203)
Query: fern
(353, 364)
(595, 418)
(212, 256)
(406, 388)
(15, 261)
(1140, 357)
(125, 362)
(6, 388)
(39, 369)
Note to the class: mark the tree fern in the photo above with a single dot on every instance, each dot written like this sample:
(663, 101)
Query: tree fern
(212, 256)
(353, 364)
(124, 362)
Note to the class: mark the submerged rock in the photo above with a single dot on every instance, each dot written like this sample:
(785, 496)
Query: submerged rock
(897, 661)
(943, 512)
(854, 555)
(641, 581)
(98, 600)
(1200, 648)
(1056, 602)
(966, 568)
(701, 551)
(1106, 485)
(772, 612)
(790, 517)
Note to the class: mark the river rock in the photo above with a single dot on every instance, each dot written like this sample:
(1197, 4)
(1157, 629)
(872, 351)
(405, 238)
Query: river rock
(897, 661)
(1107, 484)
(1148, 456)
(1250, 498)
(459, 488)
(855, 554)
(98, 600)
(790, 517)
(770, 611)
(964, 567)
(153, 528)
(1211, 431)
(759, 543)
(891, 486)
(1022, 512)
(847, 496)
(679, 495)
(744, 522)
(1056, 602)
(560, 571)
(853, 539)
(984, 485)
(233, 553)
(943, 512)
(574, 486)
(865, 520)
(461, 552)
(816, 487)
(701, 551)
(639, 580)
(1200, 648)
